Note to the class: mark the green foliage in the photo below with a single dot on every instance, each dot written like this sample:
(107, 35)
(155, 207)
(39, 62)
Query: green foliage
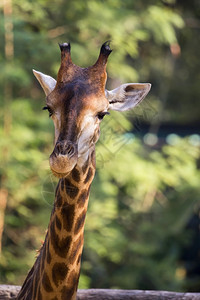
(141, 198)
(146, 198)
(23, 172)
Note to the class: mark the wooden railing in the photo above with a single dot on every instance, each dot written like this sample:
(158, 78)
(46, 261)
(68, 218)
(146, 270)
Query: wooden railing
(8, 292)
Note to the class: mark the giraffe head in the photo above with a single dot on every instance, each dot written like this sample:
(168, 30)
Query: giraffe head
(77, 102)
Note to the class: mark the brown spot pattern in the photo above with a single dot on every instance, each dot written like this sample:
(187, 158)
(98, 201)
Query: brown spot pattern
(67, 213)
(76, 175)
(75, 249)
(62, 185)
(46, 283)
(42, 256)
(58, 199)
(61, 246)
(48, 255)
(67, 292)
(93, 159)
(71, 189)
(80, 222)
(79, 259)
(82, 198)
(89, 175)
(85, 166)
(73, 279)
(59, 272)
(58, 223)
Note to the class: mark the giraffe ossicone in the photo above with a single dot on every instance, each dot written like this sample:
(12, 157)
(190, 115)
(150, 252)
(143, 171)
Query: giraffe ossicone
(77, 102)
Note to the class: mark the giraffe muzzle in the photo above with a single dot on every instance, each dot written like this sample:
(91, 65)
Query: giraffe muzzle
(63, 158)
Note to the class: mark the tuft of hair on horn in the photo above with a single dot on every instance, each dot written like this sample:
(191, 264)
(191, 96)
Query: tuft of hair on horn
(105, 48)
(65, 47)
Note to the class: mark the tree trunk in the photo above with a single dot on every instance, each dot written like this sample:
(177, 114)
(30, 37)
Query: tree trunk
(3, 201)
(8, 292)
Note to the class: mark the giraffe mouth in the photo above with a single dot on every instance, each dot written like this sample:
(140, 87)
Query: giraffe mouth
(61, 165)
(59, 175)
(63, 159)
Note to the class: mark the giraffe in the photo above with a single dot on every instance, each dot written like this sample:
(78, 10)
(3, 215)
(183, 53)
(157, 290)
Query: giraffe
(77, 102)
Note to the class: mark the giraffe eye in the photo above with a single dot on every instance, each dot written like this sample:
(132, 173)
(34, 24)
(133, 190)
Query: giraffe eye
(49, 110)
(102, 114)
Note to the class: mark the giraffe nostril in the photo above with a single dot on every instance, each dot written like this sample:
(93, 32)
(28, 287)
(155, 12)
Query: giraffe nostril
(65, 148)
(70, 149)
(58, 149)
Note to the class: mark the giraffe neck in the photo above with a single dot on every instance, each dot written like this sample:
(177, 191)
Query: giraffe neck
(55, 274)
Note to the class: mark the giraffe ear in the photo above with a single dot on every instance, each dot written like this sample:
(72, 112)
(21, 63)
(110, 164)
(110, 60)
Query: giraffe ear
(127, 96)
(48, 83)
